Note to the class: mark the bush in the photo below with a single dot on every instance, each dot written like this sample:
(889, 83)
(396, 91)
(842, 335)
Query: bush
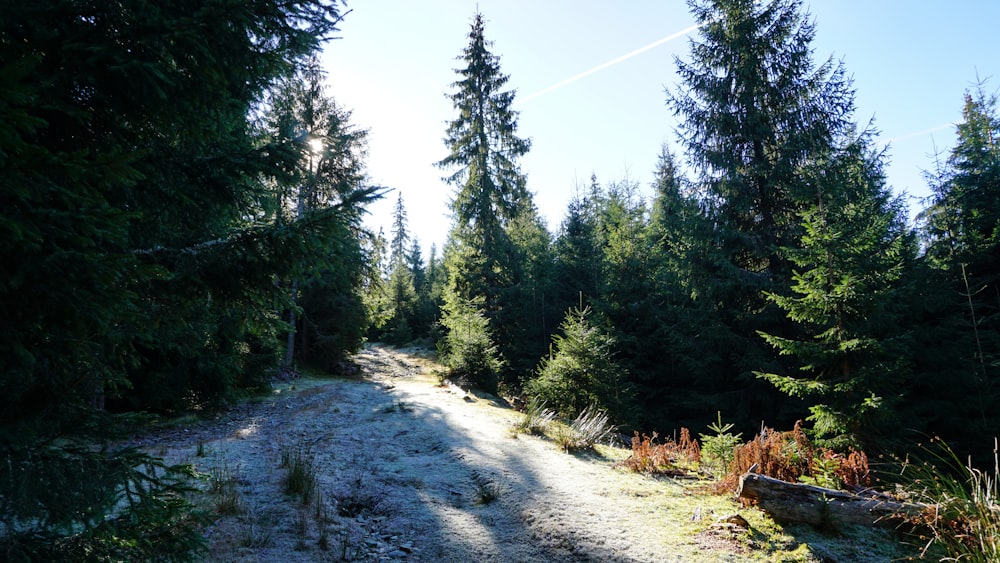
(790, 456)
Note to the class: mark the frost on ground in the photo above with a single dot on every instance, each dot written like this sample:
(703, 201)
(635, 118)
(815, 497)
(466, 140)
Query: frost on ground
(397, 467)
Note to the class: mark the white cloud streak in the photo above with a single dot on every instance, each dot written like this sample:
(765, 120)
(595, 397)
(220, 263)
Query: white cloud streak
(906, 136)
(608, 64)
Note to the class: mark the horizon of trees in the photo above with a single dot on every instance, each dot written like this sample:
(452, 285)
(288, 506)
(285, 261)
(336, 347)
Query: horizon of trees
(778, 279)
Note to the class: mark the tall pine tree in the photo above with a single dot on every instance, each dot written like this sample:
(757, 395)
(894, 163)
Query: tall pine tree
(754, 109)
(852, 267)
(482, 259)
(960, 341)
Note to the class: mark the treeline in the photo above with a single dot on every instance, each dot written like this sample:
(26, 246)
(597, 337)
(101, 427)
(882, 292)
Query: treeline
(181, 220)
(774, 278)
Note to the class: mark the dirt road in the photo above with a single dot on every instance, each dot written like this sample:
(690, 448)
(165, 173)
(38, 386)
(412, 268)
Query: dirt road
(408, 470)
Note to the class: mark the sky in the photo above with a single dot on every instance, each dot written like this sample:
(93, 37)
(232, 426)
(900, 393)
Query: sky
(590, 80)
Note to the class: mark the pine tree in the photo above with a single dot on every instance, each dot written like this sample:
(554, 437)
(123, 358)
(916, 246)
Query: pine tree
(680, 350)
(577, 272)
(754, 110)
(402, 291)
(400, 234)
(134, 269)
(960, 346)
(582, 371)
(328, 177)
(468, 348)
(482, 260)
(850, 272)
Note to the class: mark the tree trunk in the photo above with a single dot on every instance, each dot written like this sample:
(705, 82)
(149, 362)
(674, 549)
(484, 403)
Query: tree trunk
(292, 321)
(818, 506)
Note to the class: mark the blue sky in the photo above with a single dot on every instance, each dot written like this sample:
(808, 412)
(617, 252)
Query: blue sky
(911, 62)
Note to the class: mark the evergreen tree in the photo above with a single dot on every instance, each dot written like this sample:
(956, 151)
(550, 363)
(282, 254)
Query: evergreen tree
(850, 273)
(754, 109)
(468, 348)
(135, 269)
(425, 310)
(402, 291)
(400, 236)
(681, 349)
(523, 323)
(577, 267)
(582, 371)
(959, 347)
(437, 283)
(482, 260)
(327, 175)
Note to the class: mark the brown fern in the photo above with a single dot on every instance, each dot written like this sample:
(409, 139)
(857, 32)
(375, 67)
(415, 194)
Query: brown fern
(668, 458)
(790, 456)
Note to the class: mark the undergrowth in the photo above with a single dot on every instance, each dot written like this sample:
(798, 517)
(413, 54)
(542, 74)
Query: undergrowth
(300, 477)
(224, 488)
(674, 458)
(791, 456)
(963, 515)
(535, 419)
(589, 428)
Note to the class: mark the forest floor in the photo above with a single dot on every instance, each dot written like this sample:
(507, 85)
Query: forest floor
(406, 469)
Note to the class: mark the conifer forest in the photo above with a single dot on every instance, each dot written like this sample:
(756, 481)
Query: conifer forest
(183, 222)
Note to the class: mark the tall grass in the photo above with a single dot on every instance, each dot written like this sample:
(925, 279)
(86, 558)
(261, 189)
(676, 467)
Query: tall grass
(963, 518)
(589, 428)
(535, 419)
(300, 477)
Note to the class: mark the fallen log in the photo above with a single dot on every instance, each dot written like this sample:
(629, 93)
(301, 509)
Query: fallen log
(819, 506)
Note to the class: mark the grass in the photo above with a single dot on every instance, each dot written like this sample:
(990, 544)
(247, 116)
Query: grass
(488, 490)
(300, 477)
(962, 522)
(589, 428)
(257, 529)
(224, 488)
(535, 419)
